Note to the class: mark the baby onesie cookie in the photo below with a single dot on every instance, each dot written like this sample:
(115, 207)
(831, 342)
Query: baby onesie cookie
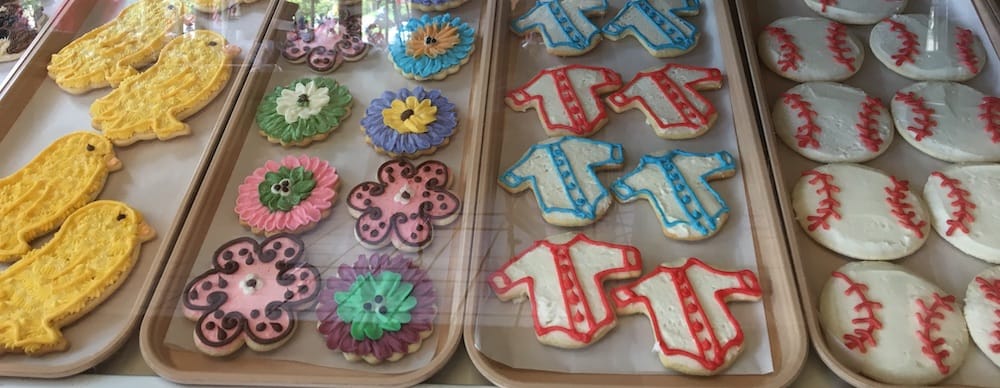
(860, 212)
(561, 173)
(250, 295)
(409, 123)
(949, 121)
(329, 45)
(19, 25)
(305, 111)
(563, 24)
(892, 325)
(856, 11)
(378, 309)
(899, 42)
(567, 98)
(964, 208)
(432, 47)
(982, 312)
(562, 277)
(670, 98)
(658, 25)
(829, 122)
(36, 199)
(287, 196)
(111, 53)
(676, 184)
(55, 285)
(703, 340)
(436, 5)
(191, 71)
(807, 49)
(404, 205)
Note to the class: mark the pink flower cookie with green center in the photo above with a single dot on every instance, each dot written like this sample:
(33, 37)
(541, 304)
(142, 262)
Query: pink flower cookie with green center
(287, 196)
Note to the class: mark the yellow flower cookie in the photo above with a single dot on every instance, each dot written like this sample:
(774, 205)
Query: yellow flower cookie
(53, 286)
(110, 53)
(192, 70)
(63, 177)
(217, 5)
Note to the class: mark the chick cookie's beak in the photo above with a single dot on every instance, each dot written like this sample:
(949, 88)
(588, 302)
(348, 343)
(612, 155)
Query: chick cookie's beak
(232, 50)
(146, 232)
(114, 164)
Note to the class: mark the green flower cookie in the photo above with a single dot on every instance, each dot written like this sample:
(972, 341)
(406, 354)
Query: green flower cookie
(282, 190)
(376, 304)
(303, 112)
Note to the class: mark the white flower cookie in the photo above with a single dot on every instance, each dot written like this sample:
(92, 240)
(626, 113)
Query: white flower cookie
(949, 121)
(829, 122)
(658, 25)
(807, 49)
(857, 11)
(982, 312)
(900, 43)
(892, 325)
(965, 208)
(860, 212)
(671, 99)
(563, 24)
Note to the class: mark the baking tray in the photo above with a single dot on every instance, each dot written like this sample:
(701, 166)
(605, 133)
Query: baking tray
(165, 336)
(37, 112)
(7, 69)
(937, 261)
(516, 217)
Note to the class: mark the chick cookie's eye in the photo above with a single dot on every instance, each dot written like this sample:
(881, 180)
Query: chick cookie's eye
(213, 43)
(90, 147)
(120, 217)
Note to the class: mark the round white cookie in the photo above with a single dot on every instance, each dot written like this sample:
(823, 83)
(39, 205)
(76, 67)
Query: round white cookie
(965, 208)
(949, 121)
(807, 49)
(982, 312)
(860, 212)
(857, 11)
(892, 325)
(900, 43)
(828, 122)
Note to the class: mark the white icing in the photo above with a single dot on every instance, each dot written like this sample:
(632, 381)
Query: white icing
(837, 107)
(982, 183)
(248, 289)
(666, 119)
(981, 314)
(633, 17)
(400, 198)
(959, 134)
(897, 357)
(288, 101)
(867, 229)
(541, 18)
(581, 83)
(943, 64)
(858, 11)
(810, 36)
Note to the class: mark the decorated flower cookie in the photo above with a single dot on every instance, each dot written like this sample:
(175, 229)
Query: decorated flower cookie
(289, 196)
(327, 46)
(432, 47)
(305, 111)
(409, 123)
(250, 295)
(436, 5)
(404, 205)
(379, 309)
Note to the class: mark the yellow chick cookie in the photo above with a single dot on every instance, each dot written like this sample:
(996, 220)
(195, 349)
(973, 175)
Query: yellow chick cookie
(53, 286)
(192, 70)
(66, 175)
(110, 53)
(210, 6)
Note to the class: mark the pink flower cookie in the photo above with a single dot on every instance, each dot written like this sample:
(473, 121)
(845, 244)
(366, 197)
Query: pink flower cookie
(404, 205)
(327, 46)
(289, 196)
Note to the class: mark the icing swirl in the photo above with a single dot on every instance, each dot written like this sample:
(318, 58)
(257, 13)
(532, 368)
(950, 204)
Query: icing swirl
(305, 109)
(409, 122)
(288, 195)
(425, 47)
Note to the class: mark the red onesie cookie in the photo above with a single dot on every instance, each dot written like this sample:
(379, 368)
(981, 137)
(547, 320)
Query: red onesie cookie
(670, 98)
(567, 98)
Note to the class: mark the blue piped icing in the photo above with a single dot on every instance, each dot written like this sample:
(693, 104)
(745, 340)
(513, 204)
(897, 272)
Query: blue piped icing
(575, 30)
(673, 32)
(388, 139)
(422, 67)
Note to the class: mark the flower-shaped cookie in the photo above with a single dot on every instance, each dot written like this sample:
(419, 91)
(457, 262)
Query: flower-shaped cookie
(378, 309)
(409, 123)
(327, 46)
(250, 295)
(288, 196)
(303, 112)
(432, 47)
(403, 206)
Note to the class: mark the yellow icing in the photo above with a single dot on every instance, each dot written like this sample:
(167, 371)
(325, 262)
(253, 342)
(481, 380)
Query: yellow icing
(216, 5)
(410, 115)
(62, 178)
(192, 69)
(54, 285)
(109, 54)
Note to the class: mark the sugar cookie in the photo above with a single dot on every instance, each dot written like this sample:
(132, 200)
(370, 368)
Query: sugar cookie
(949, 121)
(982, 312)
(436, 5)
(899, 42)
(306, 111)
(658, 25)
(287, 196)
(563, 24)
(670, 98)
(210, 6)
(856, 11)
(567, 98)
(19, 25)
(326, 47)
(432, 47)
(409, 123)
(965, 210)
(807, 49)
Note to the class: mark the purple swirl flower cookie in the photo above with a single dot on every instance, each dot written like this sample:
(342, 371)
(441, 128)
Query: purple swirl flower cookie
(409, 123)
(436, 5)
(250, 295)
(327, 46)
(379, 309)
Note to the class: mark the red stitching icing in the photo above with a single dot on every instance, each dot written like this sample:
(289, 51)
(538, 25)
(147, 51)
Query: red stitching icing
(836, 41)
(790, 55)
(868, 124)
(963, 206)
(990, 113)
(866, 334)
(965, 52)
(907, 52)
(927, 326)
(828, 205)
(826, 3)
(804, 133)
(924, 118)
(991, 290)
(896, 197)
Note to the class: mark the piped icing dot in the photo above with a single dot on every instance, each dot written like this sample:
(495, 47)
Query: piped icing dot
(409, 122)
(287, 195)
(306, 110)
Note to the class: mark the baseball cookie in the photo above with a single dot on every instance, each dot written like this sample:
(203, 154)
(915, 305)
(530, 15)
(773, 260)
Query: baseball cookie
(19, 26)
(658, 25)
(436, 5)
(562, 276)
(306, 111)
(567, 98)
(856, 11)
(695, 331)
(676, 184)
(561, 172)
(965, 210)
(287, 196)
(900, 43)
(671, 100)
(250, 295)
(432, 47)
(409, 123)
(949, 121)
(860, 212)
(563, 24)
(892, 325)
(807, 49)
(329, 45)
(982, 312)
(829, 122)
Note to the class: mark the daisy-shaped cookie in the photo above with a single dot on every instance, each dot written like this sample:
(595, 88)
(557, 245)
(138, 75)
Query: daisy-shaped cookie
(327, 46)
(290, 196)
(409, 123)
(432, 47)
(305, 111)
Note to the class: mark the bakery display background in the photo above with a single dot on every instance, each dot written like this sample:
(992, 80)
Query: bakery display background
(49, 8)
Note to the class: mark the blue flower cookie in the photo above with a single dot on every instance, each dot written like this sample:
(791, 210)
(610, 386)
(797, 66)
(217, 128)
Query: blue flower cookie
(432, 47)
(564, 25)
(658, 25)
(409, 123)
